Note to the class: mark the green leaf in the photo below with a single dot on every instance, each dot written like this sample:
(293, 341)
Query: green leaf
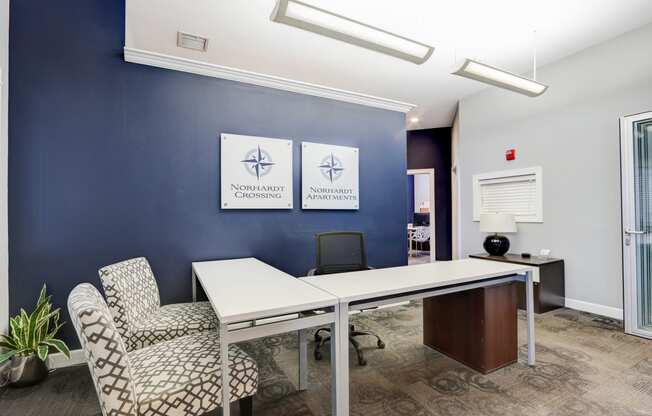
(58, 345)
(40, 317)
(52, 316)
(25, 327)
(16, 331)
(7, 345)
(7, 355)
(8, 340)
(16, 326)
(45, 329)
(41, 296)
(40, 307)
(42, 352)
(31, 330)
(54, 331)
(42, 311)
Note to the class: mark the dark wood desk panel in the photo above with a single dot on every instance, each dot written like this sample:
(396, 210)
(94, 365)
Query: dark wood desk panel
(477, 327)
(549, 291)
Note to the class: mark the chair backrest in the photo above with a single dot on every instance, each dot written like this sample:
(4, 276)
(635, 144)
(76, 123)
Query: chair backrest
(104, 349)
(131, 292)
(339, 252)
(420, 234)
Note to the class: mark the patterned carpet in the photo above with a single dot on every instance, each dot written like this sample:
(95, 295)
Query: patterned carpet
(586, 366)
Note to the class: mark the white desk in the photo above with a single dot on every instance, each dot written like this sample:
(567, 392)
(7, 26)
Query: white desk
(371, 288)
(243, 290)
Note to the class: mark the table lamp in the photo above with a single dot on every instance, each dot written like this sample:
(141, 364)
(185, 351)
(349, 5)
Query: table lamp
(494, 244)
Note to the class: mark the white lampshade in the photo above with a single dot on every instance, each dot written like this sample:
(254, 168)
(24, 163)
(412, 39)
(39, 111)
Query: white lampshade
(497, 223)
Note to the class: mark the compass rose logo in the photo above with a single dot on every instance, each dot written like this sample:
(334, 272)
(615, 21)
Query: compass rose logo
(331, 168)
(258, 162)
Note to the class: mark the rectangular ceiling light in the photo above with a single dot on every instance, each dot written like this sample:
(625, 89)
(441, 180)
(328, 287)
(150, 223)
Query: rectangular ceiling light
(499, 78)
(323, 22)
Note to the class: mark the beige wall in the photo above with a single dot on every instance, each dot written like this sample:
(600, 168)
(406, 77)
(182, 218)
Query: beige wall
(455, 141)
(572, 133)
(455, 194)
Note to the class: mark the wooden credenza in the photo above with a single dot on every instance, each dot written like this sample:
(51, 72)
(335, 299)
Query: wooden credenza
(549, 282)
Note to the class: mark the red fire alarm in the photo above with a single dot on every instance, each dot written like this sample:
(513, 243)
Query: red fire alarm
(510, 154)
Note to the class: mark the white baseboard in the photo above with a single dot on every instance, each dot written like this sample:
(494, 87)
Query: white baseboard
(608, 311)
(58, 360)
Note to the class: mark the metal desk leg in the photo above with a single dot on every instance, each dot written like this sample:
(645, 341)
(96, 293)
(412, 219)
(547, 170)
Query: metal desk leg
(303, 359)
(529, 299)
(335, 365)
(340, 362)
(194, 287)
(224, 357)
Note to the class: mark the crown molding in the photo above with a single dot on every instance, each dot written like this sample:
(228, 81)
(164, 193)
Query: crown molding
(139, 56)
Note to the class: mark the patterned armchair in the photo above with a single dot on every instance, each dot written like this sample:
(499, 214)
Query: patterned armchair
(132, 294)
(173, 378)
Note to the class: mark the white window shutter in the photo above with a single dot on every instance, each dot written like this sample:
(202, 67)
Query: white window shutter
(517, 192)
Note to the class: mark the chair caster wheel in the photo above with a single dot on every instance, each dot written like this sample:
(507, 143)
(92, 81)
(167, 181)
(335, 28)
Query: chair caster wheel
(318, 356)
(381, 345)
(362, 362)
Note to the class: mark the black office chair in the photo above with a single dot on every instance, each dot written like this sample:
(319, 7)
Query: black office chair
(339, 252)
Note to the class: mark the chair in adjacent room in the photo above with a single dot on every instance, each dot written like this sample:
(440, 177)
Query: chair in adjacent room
(133, 297)
(419, 235)
(339, 252)
(178, 377)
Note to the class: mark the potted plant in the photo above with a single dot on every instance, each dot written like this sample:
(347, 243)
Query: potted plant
(31, 337)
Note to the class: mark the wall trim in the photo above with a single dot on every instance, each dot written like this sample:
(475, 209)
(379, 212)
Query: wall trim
(608, 311)
(139, 56)
(58, 360)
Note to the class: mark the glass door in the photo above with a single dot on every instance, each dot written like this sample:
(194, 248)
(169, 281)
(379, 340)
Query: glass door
(636, 154)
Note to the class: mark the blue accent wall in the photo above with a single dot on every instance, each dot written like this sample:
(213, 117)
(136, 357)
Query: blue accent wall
(431, 148)
(110, 160)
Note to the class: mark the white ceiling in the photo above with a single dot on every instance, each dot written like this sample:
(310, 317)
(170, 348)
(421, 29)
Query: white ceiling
(498, 32)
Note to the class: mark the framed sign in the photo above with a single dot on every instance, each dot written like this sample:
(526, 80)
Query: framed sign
(256, 172)
(329, 177)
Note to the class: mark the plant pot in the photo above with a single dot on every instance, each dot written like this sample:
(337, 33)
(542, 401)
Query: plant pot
(27, 371)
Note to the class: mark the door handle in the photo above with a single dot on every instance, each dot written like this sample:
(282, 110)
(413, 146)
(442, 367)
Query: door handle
(637, 232)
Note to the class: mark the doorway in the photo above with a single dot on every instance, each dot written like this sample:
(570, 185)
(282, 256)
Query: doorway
(420, 222)
(636, 165)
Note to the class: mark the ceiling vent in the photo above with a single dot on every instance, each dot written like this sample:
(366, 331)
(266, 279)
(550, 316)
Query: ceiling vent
(194, 42)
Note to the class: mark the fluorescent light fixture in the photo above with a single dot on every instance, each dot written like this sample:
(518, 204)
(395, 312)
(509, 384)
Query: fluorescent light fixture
(503, 79)
(313, 19)
(414, 119)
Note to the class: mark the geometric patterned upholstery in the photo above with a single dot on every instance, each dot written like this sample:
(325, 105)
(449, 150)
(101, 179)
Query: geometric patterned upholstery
(105, 351)
(172, 321)
(176, 378)
(165, 386)
(132, 294)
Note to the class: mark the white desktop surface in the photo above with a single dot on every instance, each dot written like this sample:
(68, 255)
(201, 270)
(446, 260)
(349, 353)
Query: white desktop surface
(362, 285)
(246, 289)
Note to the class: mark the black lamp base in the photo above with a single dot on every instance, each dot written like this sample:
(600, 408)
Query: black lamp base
(496, 245)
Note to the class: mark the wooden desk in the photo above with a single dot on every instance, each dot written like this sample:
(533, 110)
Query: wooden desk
(549, 281)
(372, 288)
(478, 327)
